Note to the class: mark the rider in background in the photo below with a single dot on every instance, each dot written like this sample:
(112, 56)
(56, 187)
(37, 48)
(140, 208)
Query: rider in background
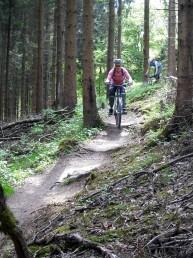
(157, 65)
(117, 76)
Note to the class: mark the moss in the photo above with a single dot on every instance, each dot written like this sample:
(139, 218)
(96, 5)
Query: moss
(66, 145)
(151, 125)
(63, 229)
(8, 221)
(166, 176)
(111, 235)
(42, 252)
(115, 209)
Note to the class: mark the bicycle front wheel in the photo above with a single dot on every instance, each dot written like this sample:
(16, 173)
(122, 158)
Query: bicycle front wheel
(118, 113)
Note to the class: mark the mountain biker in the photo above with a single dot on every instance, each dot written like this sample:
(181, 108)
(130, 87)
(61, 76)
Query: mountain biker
(157, 65)
(116, 77)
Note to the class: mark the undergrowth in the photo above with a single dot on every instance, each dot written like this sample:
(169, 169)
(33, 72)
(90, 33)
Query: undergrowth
(40, 147)
(153, 103)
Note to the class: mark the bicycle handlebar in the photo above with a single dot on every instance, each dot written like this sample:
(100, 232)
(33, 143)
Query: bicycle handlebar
(125, 84)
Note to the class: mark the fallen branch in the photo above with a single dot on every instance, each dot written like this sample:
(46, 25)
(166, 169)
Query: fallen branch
(166, 236)
(33, 120)
(76, 240)
(172, 162)
(10, 138)
(183, 198)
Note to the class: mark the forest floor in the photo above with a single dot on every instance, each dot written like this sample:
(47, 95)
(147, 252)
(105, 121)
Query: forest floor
(48, 188)
(116, 196)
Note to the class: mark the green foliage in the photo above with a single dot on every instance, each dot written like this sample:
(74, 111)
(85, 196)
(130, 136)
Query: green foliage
(156, 109)
(37, 129)
(133, 50)
(5, 178)
(141, 91)
(35, 151)
(67, 145)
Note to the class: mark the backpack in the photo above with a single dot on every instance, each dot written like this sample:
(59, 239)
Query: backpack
(152, 63)
(118, 80)
(115, 71)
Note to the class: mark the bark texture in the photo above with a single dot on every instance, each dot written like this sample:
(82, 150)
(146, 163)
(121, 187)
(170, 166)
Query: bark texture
(183, 105)
(70, 96)
(146, 37)
(111, 35)
(90, 113)
(172, 39)
(119, 29)
(39, 76)
(60, 54)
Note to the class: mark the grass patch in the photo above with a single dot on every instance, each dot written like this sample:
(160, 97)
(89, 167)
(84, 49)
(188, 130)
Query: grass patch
(140, 91)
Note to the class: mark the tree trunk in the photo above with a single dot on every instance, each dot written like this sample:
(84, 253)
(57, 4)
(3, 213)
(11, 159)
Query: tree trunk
(70, 96)
(39, 76)
(119, 29)
(46, 57)
(183, 105)
(2, 71)
(9, 227)
(53, 67)
(146, 38)
(7, 89)
(111, 35)
(91, 117)
(60, 54)
(172, 39)
(23, 83)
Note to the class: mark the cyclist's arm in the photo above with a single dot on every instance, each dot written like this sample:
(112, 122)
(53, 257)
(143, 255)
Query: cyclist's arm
(128, 77)
(109, 77)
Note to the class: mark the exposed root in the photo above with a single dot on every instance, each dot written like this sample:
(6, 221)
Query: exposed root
(75, 240)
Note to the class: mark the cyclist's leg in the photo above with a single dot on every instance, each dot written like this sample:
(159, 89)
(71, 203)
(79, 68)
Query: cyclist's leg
(112, 90)
(158, 74)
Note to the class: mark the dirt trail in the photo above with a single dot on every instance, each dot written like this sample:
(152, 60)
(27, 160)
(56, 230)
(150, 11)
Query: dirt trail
(40, 190)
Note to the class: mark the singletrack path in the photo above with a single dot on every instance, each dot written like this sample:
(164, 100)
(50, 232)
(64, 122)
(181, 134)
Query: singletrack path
(41, 190)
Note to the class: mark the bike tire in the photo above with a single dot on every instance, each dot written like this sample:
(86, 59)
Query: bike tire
(118, 113)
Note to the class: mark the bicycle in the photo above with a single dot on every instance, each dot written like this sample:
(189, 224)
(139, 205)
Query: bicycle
(151, 79)
(118, 106)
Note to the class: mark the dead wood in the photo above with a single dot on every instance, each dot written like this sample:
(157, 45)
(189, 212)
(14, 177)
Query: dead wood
(10, 138)
(35, 120)
(76, 240)
(8, 226)
(172, 162)
(74, 178)
(26, 121)
(167, 236)
(183, 198)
